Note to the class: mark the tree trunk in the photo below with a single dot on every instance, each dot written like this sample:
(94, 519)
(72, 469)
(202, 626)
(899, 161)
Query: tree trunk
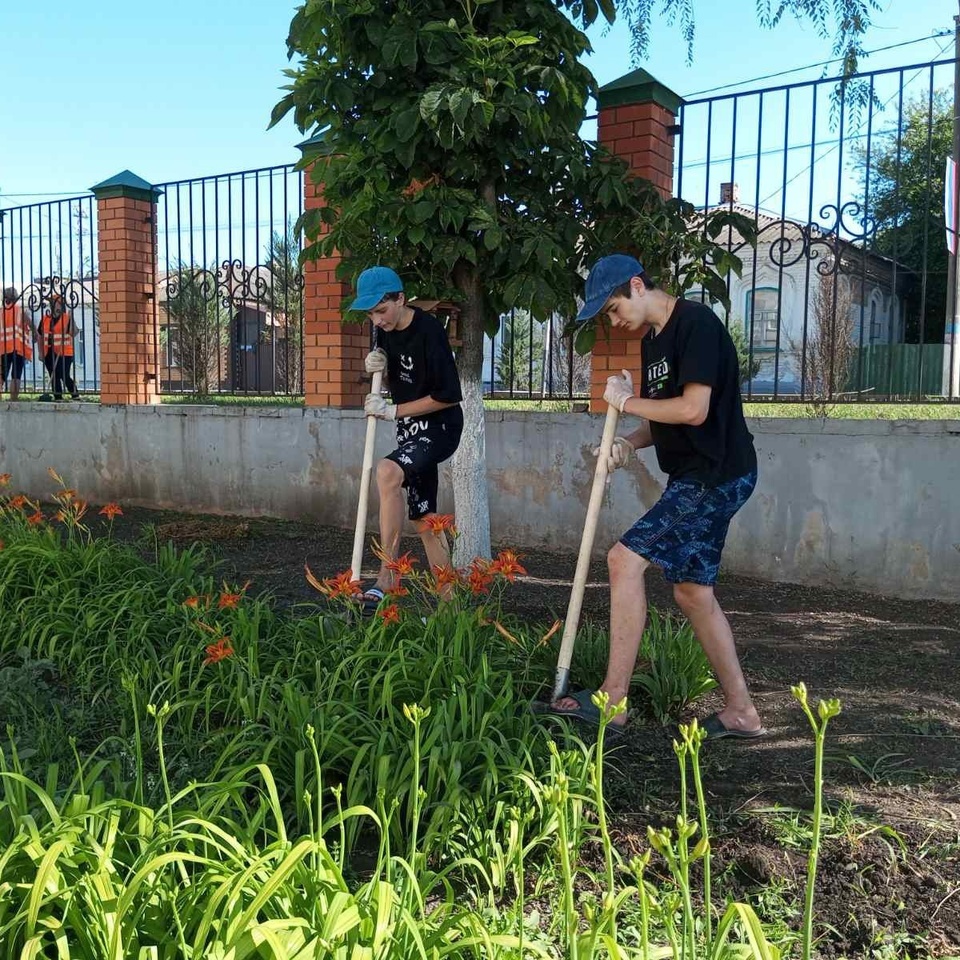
(470, 498)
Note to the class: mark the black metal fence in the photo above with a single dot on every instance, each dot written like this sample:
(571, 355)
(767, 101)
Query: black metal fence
(845, 296)
(48, 268)
(532, 360)
(230, 289)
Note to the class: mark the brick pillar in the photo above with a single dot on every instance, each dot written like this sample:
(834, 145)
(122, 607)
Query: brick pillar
(333, 351)
(637, 121)
(127, 250)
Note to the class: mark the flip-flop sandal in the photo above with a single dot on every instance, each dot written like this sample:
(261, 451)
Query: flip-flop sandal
(370, 601)
(586, 712)
(716, 730)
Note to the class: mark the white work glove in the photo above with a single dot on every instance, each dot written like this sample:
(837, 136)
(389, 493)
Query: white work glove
(619, 390)
(375, 361)
(620, 453)
(376, 406)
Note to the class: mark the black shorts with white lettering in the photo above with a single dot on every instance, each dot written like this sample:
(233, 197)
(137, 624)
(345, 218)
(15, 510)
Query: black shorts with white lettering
(422, 445)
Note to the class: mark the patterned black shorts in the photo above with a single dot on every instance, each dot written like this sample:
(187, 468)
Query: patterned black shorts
(422, 445)
(685, 530)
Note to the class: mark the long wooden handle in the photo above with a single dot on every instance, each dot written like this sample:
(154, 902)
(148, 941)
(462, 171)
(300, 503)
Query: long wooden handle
(368, 445)
(572, 621)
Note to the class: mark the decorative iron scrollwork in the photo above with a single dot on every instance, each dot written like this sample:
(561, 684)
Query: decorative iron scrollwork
(72, 291)
(232, 284)
(818, 242)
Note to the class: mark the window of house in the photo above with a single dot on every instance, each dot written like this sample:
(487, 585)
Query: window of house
(168, 339)
(763, 306)
(876, 325)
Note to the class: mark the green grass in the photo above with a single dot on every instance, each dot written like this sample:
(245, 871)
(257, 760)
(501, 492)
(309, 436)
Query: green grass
(856, 411)
(783, 409)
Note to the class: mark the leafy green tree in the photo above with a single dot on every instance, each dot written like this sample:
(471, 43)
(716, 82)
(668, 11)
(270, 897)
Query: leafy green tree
(519, 364)
(284, 296)
(197, 325)
(452, 152)
(905, 198)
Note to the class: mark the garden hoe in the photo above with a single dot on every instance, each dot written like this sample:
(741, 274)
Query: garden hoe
(572, 620)
(369, 442)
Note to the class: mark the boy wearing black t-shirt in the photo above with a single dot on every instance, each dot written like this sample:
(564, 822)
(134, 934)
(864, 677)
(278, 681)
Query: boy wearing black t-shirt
(690, 412)
(417, 362)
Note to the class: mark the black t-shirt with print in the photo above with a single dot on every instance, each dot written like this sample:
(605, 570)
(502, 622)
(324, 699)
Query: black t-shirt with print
(694, 347)
(420, 364)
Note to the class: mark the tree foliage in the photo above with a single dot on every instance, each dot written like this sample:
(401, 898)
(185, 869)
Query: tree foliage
(451, 151)
(904, 197)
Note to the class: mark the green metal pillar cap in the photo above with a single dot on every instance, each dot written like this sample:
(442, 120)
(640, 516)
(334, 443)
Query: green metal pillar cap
(638, 87)
(126, 184)
(319, 145)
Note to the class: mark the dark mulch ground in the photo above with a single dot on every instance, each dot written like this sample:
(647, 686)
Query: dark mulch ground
(890, 870)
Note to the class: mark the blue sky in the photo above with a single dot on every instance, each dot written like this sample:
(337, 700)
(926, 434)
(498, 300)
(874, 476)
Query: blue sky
(185, 89)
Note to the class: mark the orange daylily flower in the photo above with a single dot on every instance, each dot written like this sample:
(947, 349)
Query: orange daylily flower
(111, 510)
(35, 519)
(437, 523)
(197, 602)
(218, 651)
(390, 614)
(479, 578)
(446, 577)
(403, 565)
(5, 478)
(66, 495)
(230, 600)
(19, 501)
(507, 565)
(398, 591)
(342, 585)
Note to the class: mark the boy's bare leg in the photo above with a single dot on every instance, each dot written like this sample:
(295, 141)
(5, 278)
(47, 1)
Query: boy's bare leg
(392, 504)
(628, 615)
(712, 629)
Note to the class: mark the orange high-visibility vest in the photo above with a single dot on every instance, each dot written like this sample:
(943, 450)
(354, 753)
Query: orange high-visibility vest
(12, 338)
(59, 331)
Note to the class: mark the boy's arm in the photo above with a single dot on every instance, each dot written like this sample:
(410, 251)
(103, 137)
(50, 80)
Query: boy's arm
(421, 407)
(691, 408)
(641, 437)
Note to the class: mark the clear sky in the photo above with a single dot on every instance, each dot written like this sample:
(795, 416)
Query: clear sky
(184, 88)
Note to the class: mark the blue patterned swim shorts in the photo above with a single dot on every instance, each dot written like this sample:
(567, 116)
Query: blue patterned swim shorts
(685, 530)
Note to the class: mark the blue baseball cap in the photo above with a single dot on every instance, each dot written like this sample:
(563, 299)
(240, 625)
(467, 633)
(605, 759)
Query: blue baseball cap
(373, 285)
(607, 274)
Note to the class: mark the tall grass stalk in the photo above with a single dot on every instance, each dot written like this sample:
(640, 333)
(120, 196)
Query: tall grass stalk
(826, 710)
(694, 735)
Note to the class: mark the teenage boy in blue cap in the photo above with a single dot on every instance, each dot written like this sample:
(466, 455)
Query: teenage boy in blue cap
(689, 410)
(418, 364)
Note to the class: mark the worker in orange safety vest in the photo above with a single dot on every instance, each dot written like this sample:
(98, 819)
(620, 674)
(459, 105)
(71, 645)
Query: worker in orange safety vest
(16, 343)
(56, 333)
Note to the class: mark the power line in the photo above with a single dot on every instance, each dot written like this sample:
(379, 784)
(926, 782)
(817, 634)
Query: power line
(822, 63)
(855, 135)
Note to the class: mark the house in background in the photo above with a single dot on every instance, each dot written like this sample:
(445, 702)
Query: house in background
(229, 331)
(802, 291)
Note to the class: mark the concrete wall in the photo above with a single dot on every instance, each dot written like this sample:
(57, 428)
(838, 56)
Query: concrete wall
(873, 505)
